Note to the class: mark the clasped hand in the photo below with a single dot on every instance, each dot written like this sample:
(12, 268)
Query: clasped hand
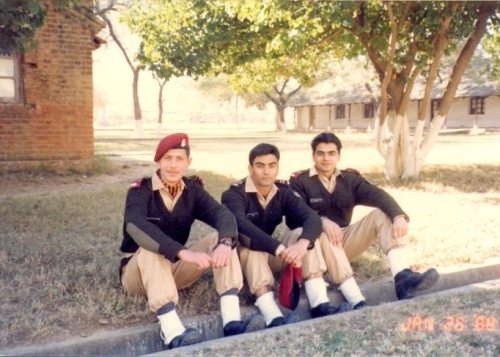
(294, 253)
(220, 257)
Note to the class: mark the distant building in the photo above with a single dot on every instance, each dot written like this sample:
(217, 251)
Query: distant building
(46, 95)
(354, 106)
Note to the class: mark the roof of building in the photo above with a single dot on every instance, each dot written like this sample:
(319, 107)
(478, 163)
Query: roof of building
(328, 92)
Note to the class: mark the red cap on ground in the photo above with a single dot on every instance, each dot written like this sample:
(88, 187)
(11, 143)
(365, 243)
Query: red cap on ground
(172, 141)
(289, 289)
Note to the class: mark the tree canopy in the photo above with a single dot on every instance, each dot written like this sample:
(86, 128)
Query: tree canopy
(404, 41)
(19, 20)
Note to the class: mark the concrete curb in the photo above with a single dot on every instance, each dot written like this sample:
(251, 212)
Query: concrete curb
(145, 340)
(200, 348)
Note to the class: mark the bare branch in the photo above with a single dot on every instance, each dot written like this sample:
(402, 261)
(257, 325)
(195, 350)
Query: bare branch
(440, 42)
(486, 10)
(117, 40)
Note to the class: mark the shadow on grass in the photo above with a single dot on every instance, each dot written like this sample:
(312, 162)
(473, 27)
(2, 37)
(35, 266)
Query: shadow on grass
(467, 179)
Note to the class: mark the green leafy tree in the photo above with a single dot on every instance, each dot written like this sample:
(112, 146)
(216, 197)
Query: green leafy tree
(19, 20)
(217, 88)
(202, 38)
(162, 72)
(275, 80)
(491, 46)
(404, 41)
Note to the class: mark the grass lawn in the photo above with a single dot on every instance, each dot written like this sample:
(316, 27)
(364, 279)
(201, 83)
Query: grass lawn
(455, 324)
(59, 234)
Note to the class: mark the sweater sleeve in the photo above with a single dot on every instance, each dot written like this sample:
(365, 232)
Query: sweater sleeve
(299, 214)
(250, 235)
(373, 196)
(143, 229)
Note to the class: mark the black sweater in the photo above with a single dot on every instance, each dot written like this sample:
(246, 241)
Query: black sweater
(351, 189)
(256, 224)
(149, 224)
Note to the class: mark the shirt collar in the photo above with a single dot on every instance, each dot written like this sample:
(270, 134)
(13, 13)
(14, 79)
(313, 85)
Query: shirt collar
(314, 172)
(158, 185)
(250, 185)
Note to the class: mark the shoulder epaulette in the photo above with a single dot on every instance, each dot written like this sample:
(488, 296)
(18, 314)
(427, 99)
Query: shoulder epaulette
(281, 182)
(197, 179)
(354, 171)
(136, 184)
(237, 183)
(297, 173)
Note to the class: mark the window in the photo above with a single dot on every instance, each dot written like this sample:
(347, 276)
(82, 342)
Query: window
(435, 103)
(476, 105)
(9, 79)
(340, 112)
(369, 111)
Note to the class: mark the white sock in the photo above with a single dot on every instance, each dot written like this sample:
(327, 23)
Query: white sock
(316, 291)
(351, 292)
(171, 326)
(398, 260)
(268, 307)
(230, 308)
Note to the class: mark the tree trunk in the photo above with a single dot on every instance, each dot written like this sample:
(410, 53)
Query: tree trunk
(137, 105)
(138, 129)
(404, 157)
(280, 119)
(160, 105)
(394, 143)
(135, 71)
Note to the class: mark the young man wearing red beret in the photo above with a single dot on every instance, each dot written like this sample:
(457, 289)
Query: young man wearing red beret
(259, 204)
(159, 212)
(334, 193)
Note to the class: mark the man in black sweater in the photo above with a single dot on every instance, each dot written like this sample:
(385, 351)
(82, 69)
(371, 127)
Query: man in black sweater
(259, 204)
(159, 212)
(334, 193)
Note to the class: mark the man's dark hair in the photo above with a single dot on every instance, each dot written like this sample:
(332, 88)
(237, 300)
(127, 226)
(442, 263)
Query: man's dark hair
(326, 138)
(261, 150)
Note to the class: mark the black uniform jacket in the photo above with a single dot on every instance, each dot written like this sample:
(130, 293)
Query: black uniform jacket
(351, 189)
(149, 224)
(256, 224)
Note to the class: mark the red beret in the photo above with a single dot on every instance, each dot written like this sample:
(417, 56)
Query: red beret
(289, 288)
(173, 141)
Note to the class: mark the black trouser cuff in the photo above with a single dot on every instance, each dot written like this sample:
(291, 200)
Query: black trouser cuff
(232, 291)
(165, 309)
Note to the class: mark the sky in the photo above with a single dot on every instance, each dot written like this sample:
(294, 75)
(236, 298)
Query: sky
(181, 101)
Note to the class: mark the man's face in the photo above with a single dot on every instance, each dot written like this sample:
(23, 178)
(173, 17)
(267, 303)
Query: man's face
(264, 170)
(325, 157)
(173, 165)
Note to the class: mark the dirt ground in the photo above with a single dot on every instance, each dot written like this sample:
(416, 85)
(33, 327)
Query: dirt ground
(123, 171)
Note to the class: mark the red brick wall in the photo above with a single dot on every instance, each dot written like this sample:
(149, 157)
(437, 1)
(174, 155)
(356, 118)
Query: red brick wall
(53, 126)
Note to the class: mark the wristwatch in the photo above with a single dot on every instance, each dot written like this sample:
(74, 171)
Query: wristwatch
(226, 241)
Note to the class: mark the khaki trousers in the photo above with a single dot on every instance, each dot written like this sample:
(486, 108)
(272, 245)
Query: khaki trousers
(259, 267)
(155, 277)
(357, 238)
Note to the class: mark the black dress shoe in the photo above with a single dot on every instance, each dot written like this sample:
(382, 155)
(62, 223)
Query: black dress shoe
(359, 305)
(189, 337)
(280, 320)
(408, 282)
(325, 309)
(254, 322)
